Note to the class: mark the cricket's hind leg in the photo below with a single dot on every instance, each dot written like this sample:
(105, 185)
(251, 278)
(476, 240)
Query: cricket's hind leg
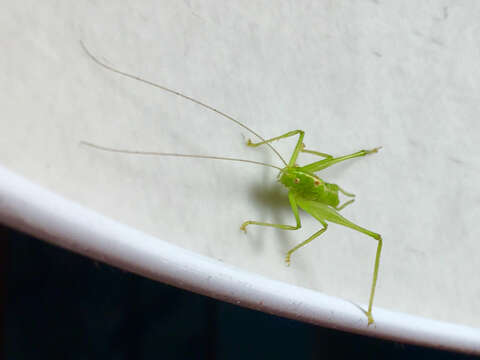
(345, 204)
(323, 213)
(335, 217)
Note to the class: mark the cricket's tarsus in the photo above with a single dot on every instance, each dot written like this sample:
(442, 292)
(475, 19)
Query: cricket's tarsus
(305, 189)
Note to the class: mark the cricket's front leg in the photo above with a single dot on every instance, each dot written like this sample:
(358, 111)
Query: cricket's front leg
(297, 149)
(288, 134)
(313, 152)
(294, 207)
(329, 161)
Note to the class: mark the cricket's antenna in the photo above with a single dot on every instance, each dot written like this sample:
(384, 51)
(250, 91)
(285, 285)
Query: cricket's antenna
(134, 77)
(153, 153)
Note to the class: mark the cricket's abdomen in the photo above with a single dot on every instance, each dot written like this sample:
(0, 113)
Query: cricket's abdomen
(309, 186)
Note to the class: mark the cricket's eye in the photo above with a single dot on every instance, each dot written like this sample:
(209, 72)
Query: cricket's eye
(297, 180)
(316, 182)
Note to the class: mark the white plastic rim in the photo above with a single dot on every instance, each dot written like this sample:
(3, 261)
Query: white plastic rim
(32, 209)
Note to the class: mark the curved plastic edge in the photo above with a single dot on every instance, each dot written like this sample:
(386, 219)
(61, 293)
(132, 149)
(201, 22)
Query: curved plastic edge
(39, 212)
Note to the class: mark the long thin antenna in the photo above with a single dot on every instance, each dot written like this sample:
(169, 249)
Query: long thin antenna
(153, 153)
(181, 95)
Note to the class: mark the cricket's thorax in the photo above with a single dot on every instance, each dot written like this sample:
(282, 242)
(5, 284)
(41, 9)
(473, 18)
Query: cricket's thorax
(309, 186)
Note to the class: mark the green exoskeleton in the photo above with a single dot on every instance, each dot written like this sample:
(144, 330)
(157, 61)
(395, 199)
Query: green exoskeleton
(305, 189)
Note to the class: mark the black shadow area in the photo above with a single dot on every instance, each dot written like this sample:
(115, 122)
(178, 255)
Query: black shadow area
(58, 305)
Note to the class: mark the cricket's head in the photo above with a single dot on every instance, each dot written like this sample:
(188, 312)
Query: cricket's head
(298, 180)
(309, 186)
